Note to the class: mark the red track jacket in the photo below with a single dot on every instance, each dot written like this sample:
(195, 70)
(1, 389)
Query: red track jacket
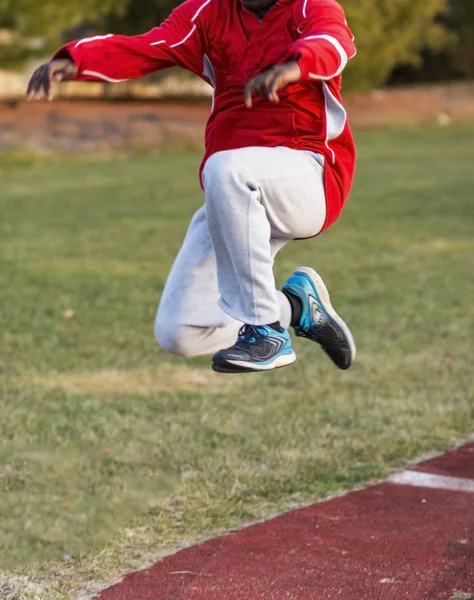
(226, 45)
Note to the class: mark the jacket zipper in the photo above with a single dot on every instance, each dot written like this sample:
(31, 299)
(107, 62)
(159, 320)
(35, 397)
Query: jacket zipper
(259, 19)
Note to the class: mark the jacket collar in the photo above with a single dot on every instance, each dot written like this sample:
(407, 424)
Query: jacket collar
(278, 3)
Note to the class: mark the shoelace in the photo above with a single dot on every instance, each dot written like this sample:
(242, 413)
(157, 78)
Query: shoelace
(249, 334)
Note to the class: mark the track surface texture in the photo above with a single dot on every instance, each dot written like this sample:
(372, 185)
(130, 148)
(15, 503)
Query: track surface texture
(388, 542)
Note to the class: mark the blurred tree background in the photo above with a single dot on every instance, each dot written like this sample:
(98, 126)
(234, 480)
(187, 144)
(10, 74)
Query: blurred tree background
(398, 40)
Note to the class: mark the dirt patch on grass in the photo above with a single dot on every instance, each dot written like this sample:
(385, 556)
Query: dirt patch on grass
(96, 126)
(112, 382)
(89, 127)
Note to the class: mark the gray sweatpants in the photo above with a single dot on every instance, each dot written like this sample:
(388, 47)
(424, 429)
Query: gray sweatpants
(256, 201)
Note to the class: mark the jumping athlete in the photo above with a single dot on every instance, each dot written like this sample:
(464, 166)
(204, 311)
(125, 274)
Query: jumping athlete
(278, 166)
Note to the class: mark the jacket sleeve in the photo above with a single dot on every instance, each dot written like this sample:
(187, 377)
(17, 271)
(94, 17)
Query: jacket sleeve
(326, 43)
(178, 41)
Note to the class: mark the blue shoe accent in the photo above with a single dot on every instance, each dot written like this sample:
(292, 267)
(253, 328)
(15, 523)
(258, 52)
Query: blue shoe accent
(258, 348)
(319, 321)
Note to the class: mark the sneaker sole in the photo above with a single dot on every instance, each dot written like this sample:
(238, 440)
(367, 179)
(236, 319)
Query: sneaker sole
(243, 367)
(325, 299)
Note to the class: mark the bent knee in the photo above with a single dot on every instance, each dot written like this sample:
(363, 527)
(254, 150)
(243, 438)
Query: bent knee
(180, 340)
(219, 164)
(174, 341)
(224, 169)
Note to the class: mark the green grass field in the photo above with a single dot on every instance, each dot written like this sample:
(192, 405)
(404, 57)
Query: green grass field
(112, 451)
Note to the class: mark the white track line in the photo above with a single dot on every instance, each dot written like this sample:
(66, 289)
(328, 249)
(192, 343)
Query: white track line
(428, 480)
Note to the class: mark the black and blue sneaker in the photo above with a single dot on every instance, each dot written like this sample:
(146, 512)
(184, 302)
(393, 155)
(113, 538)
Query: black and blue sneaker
(316, 318)
(258, 348)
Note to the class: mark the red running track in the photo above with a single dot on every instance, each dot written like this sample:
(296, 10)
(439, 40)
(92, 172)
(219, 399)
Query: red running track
(387, 542)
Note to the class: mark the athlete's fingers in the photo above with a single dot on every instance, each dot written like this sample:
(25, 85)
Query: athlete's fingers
(268, 88)
(273, 82)
(38, 86)
(265, 85)
(273, 95)
(261, 84)
(55, 76)
(46, 83)
(273, 89)
(43, 78)
(253, 86)
(32, 85)
(248, 93)
(39, 83)
(29, 89)
(260, 87)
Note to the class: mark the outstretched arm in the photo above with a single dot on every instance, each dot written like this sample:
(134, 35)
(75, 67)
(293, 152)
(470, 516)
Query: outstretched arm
(178, 41)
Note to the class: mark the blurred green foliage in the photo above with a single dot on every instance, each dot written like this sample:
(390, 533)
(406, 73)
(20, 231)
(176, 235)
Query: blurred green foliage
(51, 17)
(389, 33)
(463, 23)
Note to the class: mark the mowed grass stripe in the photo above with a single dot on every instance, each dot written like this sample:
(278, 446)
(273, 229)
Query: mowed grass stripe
(111, 450)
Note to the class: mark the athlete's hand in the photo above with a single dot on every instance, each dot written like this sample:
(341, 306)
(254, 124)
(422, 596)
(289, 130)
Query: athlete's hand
(268, 83)
(49, 73)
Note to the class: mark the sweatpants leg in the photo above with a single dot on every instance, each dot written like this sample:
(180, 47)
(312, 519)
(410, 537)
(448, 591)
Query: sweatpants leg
(253, 196)
(189, 321)
(257, 200)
